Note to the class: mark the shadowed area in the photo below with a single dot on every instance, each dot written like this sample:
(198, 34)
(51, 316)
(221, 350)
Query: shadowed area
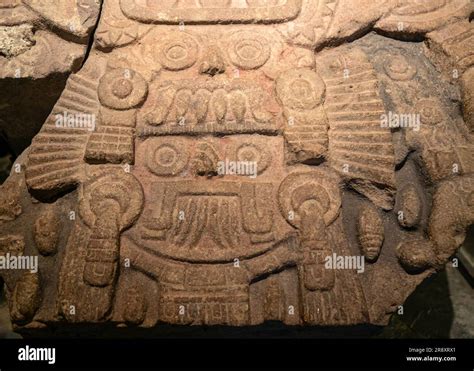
(36, 99)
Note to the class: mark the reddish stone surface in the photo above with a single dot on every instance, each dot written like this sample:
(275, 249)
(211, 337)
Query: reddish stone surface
(145, 208)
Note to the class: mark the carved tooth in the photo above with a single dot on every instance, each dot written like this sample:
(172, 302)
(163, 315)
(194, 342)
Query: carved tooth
(258, 112)
(370, 232)
(262, 116)
(201, 104)
(182, 102)
(164, 100)
(410, 208)
(157, 116)
(219, 104)
(239, 105)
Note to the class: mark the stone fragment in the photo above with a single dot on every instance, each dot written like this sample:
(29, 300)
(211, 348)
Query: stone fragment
(235, 162)
(15, 40)
(40, 45)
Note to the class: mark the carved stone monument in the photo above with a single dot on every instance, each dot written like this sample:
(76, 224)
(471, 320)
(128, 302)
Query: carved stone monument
(231, 162)
(41, 43)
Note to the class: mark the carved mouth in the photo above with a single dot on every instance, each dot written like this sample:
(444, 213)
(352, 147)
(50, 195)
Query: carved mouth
(190, 219)
(221, 106)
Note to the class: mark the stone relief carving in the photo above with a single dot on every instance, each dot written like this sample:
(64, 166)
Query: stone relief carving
(156, 214)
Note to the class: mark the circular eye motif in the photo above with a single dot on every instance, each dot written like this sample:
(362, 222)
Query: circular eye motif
(249, 152)
(398, 68)
(300, 89)
(429, 110)
(178, 51)
(166, 159)
(248, 50)
(122, 89)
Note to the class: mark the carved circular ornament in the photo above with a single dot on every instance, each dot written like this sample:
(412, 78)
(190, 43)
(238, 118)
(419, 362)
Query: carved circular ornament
(113, 185)
(248, 50)
(250, 152)
(178, 51)
(167, 159)
(430, 112)
(317, 185)
(398, 68)
(300, 89)
(122, 89)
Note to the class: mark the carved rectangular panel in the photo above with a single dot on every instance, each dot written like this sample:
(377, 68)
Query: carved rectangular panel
(210, 12)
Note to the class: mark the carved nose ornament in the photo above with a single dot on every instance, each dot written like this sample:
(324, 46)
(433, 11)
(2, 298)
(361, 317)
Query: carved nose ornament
(213, 62)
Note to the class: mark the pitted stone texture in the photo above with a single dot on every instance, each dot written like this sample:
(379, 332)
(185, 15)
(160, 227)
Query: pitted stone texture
(155, 214)
(15, 40)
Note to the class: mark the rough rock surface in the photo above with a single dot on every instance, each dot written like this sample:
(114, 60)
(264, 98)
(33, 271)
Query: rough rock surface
(138, 194)
(41, 43)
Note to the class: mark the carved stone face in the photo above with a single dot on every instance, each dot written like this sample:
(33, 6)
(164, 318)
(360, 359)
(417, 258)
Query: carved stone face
(211, 83)
(227, 75)
(216, 80)
(214, 77)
